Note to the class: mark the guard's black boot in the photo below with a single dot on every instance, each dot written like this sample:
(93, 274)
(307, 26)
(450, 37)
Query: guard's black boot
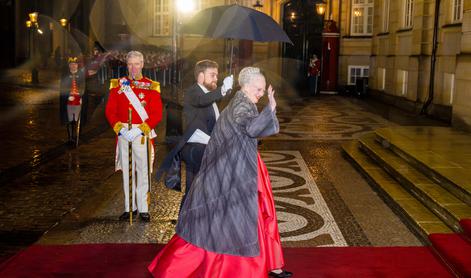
(74, 131)
(125, 215)
(69, 133)
(144, 216)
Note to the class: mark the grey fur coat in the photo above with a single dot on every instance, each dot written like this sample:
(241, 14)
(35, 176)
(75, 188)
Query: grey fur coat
(221, 210)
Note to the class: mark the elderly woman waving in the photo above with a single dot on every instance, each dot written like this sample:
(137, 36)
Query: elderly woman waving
(227, 225)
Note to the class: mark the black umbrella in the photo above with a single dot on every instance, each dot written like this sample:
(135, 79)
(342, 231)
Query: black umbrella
(235, 22)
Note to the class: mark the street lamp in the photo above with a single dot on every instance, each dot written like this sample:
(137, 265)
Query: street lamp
(320, 8)
(174, 117)
(33, 25)
(185, 6)
(33, 17)
(64, 23)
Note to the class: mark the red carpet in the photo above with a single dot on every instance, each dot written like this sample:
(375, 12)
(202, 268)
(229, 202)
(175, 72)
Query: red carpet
(455, 250)
(466, 225)
(131, 260)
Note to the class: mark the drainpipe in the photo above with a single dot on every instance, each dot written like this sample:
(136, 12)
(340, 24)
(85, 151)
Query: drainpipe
(433, 60)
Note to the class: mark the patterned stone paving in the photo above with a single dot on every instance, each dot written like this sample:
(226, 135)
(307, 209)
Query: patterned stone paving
(302, 212)
(329, 118)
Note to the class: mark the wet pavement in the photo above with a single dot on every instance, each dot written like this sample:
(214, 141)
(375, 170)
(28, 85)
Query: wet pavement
(74, 196)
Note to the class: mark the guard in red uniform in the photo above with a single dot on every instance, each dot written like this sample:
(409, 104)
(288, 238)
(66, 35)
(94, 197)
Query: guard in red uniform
(314, 71)
(142, 96)
(71, 99)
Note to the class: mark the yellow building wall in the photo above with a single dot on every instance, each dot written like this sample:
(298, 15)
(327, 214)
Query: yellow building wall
(462, 98)
(411, 49)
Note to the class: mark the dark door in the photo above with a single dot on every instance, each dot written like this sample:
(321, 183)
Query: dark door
(7, 29)
(304, 27)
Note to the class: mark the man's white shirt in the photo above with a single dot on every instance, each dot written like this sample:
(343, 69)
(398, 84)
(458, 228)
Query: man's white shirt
(200, 136)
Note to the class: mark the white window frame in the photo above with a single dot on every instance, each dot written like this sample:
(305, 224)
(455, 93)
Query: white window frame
(457, 11)
(364, 20)
(403, 80)
(386, 5)
(381, 79)
(408, 19)
(363, 72)
(161, 14)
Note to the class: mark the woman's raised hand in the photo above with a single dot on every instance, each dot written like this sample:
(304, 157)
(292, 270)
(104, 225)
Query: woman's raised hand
(271, 98)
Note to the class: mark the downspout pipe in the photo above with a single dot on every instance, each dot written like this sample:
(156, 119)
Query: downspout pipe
(433, 60)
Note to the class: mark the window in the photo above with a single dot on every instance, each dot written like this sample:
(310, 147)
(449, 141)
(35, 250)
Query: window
(457, 15)
(385, 16)
(355, 72)
(449, 86)
(362, 17)
(161, 18)
(402, 80)
(381, 79)
(408, 13)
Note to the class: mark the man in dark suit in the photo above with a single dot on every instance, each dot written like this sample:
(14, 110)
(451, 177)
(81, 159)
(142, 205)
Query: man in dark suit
(200, 115)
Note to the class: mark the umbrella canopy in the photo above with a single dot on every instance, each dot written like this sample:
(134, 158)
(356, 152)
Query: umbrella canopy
(235, 22)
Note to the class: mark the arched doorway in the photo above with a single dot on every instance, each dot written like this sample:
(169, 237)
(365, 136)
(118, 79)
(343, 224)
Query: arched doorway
(304, 27)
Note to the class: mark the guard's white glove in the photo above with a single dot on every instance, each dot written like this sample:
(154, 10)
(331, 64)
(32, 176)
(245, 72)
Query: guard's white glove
(123, 131)
(227, 84)
(132, 134)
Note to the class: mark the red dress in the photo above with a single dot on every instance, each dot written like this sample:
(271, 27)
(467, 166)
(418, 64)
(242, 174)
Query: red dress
(182, 259)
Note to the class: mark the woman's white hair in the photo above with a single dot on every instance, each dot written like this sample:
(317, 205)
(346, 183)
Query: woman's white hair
(135, 54)
(247, 74)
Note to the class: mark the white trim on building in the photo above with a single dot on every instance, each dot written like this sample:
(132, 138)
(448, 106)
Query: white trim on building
(457, 11)
(408, 19)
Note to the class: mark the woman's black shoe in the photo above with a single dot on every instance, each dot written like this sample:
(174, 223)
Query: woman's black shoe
(280, 275)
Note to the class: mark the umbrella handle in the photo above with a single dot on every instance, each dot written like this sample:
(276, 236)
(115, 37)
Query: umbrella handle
(230, 60)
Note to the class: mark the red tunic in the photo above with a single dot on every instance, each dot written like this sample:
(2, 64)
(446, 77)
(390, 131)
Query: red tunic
(74, 95)
(148, 94)
(314, 68)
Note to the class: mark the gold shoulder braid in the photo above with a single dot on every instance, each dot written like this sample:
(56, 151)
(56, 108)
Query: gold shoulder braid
(155, 86)
(117, 127)
(145, 128)
(114, 83)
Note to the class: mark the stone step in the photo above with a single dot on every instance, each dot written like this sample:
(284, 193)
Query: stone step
(441, 153)
(445, 205)
(416, 216)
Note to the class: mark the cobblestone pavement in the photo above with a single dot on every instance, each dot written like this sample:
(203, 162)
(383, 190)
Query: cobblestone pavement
(321, 200)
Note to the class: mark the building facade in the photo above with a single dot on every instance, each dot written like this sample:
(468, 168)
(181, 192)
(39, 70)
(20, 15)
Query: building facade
(415, 53)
